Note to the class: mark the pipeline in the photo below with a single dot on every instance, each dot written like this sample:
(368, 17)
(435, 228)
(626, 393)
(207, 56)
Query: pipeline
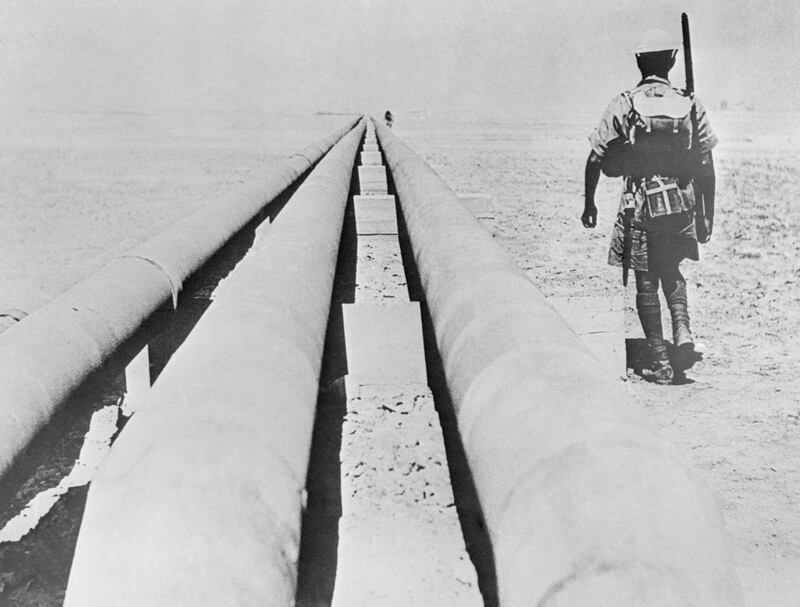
(199, 502)
(584, 503)
(45, 357)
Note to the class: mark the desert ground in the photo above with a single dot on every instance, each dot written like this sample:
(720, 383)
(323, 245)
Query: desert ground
(78, 189)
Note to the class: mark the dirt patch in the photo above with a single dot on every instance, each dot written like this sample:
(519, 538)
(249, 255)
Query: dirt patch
(399, 536)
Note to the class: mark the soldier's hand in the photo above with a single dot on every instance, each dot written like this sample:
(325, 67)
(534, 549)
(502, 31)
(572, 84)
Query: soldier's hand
(589, 217)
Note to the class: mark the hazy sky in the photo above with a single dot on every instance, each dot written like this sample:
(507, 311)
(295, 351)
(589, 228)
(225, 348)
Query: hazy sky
(506, 56)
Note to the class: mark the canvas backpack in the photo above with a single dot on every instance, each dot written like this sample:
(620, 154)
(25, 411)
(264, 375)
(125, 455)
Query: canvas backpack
(659, 135)
(660, 121)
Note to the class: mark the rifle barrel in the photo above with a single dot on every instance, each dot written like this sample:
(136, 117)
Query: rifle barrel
(687, 53)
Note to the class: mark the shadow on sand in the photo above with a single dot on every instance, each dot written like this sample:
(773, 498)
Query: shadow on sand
(638, 357)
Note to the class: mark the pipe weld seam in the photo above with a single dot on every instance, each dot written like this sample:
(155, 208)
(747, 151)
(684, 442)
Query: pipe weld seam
(174, 279)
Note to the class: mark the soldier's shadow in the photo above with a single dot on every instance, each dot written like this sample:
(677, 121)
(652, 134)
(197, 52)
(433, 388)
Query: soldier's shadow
(638, 358)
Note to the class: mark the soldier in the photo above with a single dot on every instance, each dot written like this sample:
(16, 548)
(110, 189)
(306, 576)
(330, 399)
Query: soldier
(659, 140)
(388, 118)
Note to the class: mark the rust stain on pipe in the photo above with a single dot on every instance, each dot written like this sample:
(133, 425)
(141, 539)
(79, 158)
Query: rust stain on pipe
(200, 500)
(584, 502)
(44, 358)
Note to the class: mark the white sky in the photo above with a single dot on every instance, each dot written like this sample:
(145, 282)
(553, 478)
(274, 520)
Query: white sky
(488, 56)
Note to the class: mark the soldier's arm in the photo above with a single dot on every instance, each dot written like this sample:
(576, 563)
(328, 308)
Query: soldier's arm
(610, 130)
(591, 179)
(706, 182)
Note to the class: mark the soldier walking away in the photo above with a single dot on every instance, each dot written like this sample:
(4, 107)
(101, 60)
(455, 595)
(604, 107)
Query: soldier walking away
(658, 139)
(388, 118)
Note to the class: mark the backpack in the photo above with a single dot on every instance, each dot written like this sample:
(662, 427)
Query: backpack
(660, 134)
(660, 121)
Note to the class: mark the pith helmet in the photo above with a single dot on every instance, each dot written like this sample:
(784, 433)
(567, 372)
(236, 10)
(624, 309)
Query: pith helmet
(655, 40)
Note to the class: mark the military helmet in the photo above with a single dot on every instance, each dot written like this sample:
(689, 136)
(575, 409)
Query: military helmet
(655, 40)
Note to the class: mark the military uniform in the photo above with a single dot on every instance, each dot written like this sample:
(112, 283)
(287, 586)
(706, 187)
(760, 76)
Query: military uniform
(660, 141)
(653, 252)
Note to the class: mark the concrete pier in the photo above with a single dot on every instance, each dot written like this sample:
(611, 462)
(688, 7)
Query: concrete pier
(372, 180)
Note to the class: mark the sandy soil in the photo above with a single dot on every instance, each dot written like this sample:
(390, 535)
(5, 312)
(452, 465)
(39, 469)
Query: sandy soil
(400, 542)
(75, 190)
(738, 418)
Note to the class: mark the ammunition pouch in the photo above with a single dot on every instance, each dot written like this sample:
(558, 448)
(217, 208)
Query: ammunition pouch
(664, 203)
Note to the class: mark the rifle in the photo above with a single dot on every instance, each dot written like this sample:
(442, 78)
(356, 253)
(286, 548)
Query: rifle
(700, 212)
(687, 54)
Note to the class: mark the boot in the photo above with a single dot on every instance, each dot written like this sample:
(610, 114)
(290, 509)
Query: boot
(681, 335)
(649, 309)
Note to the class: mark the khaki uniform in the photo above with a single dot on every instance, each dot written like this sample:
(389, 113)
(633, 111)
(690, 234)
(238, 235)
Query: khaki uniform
(650, 252)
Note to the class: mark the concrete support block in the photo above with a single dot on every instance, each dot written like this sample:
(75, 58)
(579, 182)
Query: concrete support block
(371, 158)
(372, 180)
(375, 215)
(600, 324)
(137, 378)
(370, 147)
(384, 343)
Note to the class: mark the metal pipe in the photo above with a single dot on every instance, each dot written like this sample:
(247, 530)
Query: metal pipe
(200, 499)
(45, 357)
(584, 503)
